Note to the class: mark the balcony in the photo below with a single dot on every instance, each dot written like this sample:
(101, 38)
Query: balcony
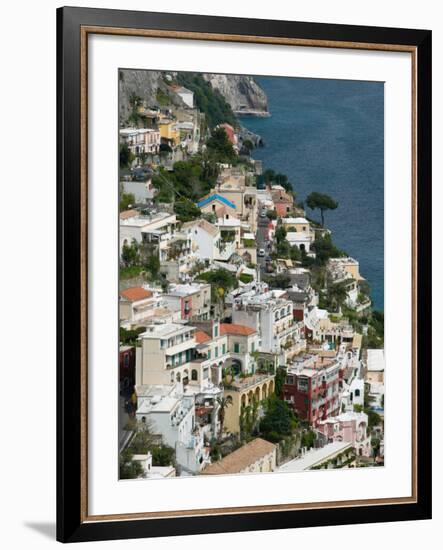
(183, 346)
(242, 384)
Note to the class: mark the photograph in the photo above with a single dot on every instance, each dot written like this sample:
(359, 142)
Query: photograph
(251, 274)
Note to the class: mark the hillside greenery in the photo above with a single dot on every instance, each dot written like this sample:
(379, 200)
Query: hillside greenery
(207, 100)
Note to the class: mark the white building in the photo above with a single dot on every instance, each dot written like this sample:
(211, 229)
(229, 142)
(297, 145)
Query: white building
(206, 237)
(375, 377)
(186, 95)
(353, 384)
(156, 227)
(271, 314)
(193, 300)
(137, 304)
(189, 135)
(153, 472)
(141, 140)
(165, 354)
(301, 240)
(316, 458)
(169, 413)
(346, 270)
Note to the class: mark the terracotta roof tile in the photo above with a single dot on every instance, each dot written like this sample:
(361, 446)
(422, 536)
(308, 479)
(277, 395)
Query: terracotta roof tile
(240, 459)
(201, 337)
(135, 293)
(240, 330)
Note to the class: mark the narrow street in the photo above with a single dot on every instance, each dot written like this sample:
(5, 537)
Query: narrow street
(262, 224)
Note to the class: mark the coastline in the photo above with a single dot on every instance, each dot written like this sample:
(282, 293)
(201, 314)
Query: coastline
(342, 126)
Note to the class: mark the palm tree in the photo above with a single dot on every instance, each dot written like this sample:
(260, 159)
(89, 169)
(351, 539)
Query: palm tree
(223, 403)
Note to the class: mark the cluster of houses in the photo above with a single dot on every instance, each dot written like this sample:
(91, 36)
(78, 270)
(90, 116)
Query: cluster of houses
(199, 360)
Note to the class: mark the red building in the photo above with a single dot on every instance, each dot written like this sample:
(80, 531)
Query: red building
(127, 367)
(312, 388)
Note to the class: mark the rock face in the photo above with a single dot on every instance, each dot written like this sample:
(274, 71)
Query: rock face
(142, 83)
(242, 93)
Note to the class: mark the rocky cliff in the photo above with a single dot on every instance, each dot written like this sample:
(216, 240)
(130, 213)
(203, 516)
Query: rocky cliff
(142, 83)
(242, 93)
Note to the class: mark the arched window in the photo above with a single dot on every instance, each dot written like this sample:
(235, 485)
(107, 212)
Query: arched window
(178, 377)
(357, 393)
(194, 374)
(144, 419)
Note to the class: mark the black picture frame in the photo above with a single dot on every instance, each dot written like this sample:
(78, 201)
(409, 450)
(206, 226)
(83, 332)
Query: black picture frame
(71, 526)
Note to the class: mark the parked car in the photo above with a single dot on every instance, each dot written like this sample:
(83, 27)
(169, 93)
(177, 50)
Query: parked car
(261, 253)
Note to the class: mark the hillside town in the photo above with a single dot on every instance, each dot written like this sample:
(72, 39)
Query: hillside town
(248, 340)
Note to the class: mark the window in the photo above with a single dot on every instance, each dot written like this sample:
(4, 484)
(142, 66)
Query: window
(224, 349)
(357, 393)
(216, 351)
(236, 347)
(194, 375)
(253, 347)
(209, 354)
(302, 384)
(126, 360)
(215, 331)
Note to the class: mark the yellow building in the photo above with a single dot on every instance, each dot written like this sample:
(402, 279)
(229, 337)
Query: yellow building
(244, 392)
(169, 131)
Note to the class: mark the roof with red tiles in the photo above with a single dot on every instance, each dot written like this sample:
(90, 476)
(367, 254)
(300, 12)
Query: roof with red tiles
(201, 337)
(135, 293)
(240, 330)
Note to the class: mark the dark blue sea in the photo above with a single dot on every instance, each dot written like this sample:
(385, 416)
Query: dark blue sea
(327, 136)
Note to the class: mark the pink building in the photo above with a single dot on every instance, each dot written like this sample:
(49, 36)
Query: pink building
(230, 132)
(349, 427)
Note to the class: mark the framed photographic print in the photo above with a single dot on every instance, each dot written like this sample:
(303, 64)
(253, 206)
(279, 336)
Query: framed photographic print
(244, 271)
